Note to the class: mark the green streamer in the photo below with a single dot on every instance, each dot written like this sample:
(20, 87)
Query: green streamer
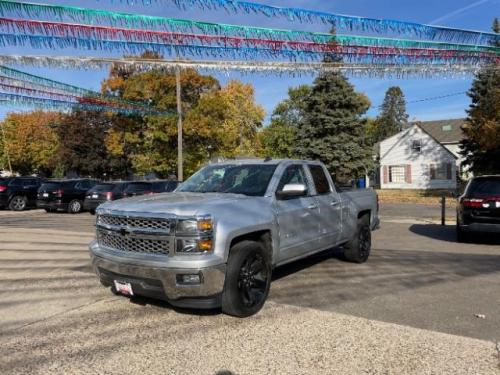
(128, 20)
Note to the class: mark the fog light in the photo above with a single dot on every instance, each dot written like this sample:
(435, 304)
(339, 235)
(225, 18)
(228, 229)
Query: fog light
(189, 279)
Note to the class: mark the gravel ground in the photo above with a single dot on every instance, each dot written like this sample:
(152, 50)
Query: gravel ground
(114, 336)
(55, 318)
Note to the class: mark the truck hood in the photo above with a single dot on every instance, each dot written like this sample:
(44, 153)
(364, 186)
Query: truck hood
(182, 204)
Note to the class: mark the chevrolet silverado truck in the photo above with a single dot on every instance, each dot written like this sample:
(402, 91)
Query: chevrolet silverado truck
(214, 242)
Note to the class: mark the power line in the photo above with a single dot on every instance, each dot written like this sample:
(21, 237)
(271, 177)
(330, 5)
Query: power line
(437, 97)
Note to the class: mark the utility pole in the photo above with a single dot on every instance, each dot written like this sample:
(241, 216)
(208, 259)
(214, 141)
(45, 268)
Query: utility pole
(180, 175)
(6, 153)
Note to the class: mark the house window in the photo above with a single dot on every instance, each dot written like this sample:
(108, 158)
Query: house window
(446, 128)
(416, 146)
(397, 174)
(440, 171)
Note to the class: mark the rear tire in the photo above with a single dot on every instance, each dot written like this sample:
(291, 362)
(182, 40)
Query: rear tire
(18, 203)
(75, 206)
(248, 279)
(358, 249)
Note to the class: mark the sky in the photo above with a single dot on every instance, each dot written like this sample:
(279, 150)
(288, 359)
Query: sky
(270, 90)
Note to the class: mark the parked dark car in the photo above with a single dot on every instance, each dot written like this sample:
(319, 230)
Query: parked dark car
(64, 195)
(164, 186)
(18, 193)
(138, 188)
(478, 210)
(103, 192)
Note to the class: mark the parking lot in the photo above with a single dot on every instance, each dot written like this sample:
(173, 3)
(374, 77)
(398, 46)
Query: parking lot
(422, 304)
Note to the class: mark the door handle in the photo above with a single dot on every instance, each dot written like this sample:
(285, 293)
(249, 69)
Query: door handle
(312, 206)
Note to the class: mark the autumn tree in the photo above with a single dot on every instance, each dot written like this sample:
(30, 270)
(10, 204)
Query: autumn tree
(278, 139)
(481, 145)
(82, 147)
(31, 141)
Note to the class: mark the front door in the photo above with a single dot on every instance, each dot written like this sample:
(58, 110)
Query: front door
(298, 217)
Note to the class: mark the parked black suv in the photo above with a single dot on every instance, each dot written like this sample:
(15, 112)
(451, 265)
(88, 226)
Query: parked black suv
(164, 186)
(64, 195)
(18, 193)
(103, 192)
(478, 210)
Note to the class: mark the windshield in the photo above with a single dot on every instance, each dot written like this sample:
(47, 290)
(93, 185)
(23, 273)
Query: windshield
(251, 179)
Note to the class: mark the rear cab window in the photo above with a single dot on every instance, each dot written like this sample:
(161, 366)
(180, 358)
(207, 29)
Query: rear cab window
(320, 179)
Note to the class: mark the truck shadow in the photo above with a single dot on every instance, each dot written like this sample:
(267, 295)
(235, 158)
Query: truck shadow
(447, 233)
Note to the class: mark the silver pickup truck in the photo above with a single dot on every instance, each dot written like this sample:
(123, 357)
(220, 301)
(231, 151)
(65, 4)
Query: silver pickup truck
(215, 241)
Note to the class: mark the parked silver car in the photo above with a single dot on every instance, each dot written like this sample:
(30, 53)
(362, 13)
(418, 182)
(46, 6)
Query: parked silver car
(215, 241)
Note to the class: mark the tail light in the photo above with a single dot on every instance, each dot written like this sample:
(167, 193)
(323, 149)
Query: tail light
(109, 196)
(473, 202)
(59, 193)
(3, 188)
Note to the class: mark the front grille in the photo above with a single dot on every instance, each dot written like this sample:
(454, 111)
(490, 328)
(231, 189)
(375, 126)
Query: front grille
(135, 222)
(131, 244)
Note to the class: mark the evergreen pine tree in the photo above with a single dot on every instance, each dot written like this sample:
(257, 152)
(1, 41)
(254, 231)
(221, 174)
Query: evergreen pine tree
(333, 127)
(481, 145)
(393, 117)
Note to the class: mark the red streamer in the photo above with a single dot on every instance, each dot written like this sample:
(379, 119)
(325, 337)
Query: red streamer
(59, 29)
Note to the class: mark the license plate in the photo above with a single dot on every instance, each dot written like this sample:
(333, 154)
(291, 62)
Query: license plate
(95, 196)
(124, 288)
(45, 195)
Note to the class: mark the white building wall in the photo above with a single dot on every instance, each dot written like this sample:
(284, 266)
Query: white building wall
(398, 150)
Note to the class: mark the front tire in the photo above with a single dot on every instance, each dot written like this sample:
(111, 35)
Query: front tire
(75, 206)
(18, 203)
(358, 249)
(248, 279)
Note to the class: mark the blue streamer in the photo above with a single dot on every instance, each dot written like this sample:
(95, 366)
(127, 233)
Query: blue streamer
(44, 103)
(136, 48)
(341, 22)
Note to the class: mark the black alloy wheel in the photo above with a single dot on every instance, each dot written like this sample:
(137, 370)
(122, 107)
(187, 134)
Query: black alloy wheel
(248, 279)
(252, 280)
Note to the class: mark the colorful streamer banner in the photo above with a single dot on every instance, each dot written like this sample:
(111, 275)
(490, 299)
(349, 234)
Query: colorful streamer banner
(351, 54)
(52, 104)
(246, 67)
(340, 22)
(56, 87)
(60, 29)
(127, 20)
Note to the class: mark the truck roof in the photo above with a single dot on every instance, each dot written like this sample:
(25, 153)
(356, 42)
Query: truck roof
(267, 161)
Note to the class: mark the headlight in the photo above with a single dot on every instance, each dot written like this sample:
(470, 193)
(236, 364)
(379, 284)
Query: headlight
(194, 245)
(194, 226)
(194, 235)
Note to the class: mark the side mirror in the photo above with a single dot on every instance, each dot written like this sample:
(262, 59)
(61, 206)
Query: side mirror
(292, 191)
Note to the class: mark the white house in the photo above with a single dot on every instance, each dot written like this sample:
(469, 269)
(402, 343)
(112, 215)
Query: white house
(414, 159)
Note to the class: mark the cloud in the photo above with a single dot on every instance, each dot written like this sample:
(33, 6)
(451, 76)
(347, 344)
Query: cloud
(458, 11)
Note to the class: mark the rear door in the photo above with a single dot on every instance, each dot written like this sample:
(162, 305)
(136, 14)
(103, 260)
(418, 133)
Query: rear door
(298, 217)
(330, 206)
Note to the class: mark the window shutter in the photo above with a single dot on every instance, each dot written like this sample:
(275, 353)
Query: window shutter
(448, 171)
(386, 174)
(408, 174)
(432, 168)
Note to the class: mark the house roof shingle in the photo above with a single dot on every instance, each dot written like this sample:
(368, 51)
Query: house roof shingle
(444, 131)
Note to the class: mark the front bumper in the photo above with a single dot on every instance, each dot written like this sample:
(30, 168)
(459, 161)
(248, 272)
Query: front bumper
(162, 282)
(481, 227)
(92, 204)
(51, 205)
